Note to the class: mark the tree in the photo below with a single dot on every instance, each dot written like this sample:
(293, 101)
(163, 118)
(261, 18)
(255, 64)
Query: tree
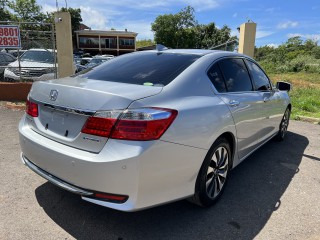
(144, 43)
(209, 35)
(175, 30)
(26, 10)
(182, 30)
(5, 15)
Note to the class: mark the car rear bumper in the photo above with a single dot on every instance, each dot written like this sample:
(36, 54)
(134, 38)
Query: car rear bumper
(150, 172)
(56, 181)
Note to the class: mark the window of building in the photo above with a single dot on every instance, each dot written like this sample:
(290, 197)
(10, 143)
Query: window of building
(108, 42)
(126, 42)
(88, 42)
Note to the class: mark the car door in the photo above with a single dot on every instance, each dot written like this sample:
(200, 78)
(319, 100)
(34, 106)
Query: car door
(271, 108)
(234, 86)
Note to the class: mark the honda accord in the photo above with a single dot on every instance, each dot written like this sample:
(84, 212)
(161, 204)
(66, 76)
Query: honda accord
(152, 127)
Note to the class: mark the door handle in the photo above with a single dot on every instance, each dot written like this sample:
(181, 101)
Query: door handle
(234, 103)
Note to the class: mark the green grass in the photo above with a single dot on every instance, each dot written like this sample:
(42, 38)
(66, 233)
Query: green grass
(305, 93)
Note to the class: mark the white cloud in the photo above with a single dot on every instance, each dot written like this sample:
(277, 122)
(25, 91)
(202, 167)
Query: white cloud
(273, 45)
(48, 8)
(287, 24)
(143, 28)
(93, 18)
(315, 37)
(270, 10)
(290, 35)
(263, 33)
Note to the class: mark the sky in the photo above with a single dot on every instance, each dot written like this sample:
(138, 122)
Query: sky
(277, 20)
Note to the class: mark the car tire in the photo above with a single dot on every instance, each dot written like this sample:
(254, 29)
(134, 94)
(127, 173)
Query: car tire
(284, 125)
(213, 174)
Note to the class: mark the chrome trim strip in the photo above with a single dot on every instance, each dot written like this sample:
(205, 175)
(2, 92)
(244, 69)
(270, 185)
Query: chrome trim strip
(54, 180)
(65, 109)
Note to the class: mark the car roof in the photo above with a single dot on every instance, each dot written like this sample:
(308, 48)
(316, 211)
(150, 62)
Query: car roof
(41, 49)
(198, 52)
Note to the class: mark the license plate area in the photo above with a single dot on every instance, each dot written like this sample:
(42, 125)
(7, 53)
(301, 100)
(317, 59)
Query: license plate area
(64, 124)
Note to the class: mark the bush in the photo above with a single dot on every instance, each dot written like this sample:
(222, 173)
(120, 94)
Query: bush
(305, 63)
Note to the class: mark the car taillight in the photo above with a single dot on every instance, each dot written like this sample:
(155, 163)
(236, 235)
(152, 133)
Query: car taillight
(135, 124)
(32, 109)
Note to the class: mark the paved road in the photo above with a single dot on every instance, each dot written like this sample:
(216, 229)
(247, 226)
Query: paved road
(274, 194)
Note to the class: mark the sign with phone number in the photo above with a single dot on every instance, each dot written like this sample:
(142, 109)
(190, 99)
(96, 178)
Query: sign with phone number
(9, 36)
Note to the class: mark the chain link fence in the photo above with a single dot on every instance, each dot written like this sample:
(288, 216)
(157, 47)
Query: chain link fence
(35, 60)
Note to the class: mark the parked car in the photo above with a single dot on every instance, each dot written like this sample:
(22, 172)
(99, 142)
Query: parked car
(36, 65)
(94, 62)
(85, 60)
(17, 53)
(5, 59)
(81, 63)
(152, 127)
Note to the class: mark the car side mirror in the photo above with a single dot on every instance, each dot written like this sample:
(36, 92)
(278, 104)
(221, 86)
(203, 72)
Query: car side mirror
(283, 86)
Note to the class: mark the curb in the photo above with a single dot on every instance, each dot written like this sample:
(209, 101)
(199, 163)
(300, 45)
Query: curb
(309, 119)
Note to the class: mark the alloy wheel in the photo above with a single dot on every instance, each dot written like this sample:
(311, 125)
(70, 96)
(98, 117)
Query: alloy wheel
(217, 172)
(284, 123)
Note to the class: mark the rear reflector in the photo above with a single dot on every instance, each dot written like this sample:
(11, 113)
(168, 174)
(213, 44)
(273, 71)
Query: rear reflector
(32, 109)
(135, 124)
(111, 197)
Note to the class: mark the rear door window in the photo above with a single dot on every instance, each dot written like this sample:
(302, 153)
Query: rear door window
(260, 79)
(216, 78)
(236, 75)
(148, 68)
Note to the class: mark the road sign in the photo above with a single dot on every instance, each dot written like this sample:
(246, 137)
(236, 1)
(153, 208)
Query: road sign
(10, 36)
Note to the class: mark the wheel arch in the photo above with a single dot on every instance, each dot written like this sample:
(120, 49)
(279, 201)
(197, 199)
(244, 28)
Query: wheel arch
(232, 143)
(230, 138)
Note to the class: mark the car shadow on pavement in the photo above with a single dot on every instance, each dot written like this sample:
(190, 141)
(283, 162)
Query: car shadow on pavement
(252, 195)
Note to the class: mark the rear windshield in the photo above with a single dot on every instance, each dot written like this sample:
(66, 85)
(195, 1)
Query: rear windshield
(148, 68)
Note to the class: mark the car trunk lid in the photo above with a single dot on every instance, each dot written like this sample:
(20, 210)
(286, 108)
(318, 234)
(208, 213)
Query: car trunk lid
(64, 106)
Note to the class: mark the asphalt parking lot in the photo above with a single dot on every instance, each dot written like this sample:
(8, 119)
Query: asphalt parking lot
(274, 194)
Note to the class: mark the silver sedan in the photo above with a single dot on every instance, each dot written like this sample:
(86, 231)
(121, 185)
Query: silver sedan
(152, 127)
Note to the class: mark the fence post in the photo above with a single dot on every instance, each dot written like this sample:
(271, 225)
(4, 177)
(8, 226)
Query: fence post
(64, 44)
(247, 38)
